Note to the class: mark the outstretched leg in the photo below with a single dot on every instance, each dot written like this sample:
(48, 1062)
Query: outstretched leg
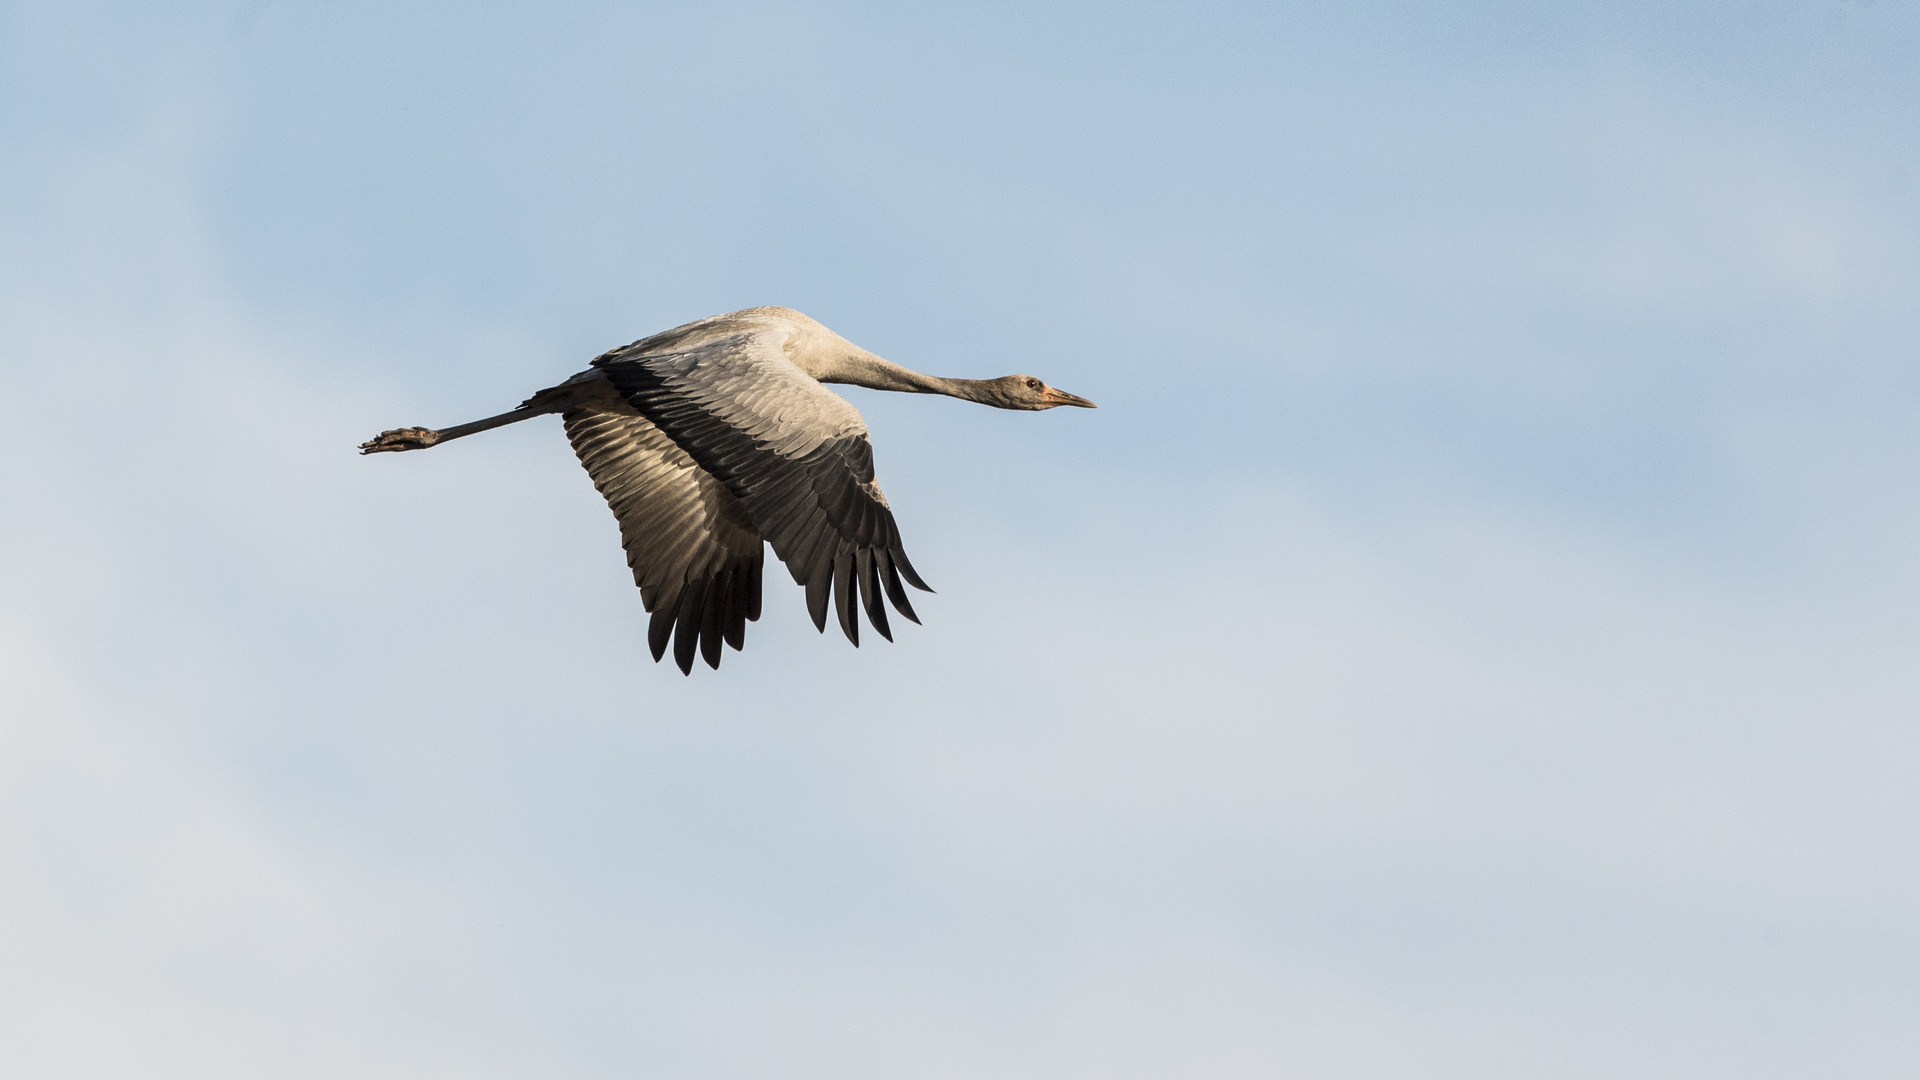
(419, 438)
(553, 399)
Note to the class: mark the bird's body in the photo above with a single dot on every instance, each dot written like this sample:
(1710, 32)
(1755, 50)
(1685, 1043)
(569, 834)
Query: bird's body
(713, 437)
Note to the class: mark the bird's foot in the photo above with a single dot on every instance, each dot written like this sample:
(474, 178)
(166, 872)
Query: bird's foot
(406, 438)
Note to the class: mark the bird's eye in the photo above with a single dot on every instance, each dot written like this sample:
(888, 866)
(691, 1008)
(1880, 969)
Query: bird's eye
(1033, 384)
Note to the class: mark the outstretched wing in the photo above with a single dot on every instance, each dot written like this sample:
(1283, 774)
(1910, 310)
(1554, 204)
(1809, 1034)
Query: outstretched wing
(694, 551)
(795, 454)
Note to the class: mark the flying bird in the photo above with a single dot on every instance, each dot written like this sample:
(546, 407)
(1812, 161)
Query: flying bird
(714, 437)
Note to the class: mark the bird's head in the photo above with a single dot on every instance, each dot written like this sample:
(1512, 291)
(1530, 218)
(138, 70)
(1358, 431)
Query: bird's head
(1027, 392)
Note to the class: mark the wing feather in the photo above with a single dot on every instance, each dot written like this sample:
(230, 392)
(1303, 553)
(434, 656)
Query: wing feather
(692, 546)
(794, 454)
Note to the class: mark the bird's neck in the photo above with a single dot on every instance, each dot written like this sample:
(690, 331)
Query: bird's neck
(862, 368)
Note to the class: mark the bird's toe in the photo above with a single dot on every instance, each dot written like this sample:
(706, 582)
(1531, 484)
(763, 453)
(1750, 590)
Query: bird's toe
(397, 439)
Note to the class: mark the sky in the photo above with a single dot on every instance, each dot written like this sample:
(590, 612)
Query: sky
(1474, 638)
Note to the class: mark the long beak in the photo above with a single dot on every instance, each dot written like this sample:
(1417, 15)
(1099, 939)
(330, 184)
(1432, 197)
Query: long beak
(1061, 397)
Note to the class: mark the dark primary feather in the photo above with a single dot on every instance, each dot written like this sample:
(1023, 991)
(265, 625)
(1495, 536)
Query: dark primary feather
(693, 549)
(794, 454)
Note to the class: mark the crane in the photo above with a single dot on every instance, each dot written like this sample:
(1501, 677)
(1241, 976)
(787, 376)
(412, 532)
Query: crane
(714, 437)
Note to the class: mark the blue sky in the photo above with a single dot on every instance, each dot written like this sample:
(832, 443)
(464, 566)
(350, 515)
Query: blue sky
(1474, 638)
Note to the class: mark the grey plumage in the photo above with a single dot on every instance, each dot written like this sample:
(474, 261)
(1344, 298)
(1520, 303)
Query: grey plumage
(711, 437)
